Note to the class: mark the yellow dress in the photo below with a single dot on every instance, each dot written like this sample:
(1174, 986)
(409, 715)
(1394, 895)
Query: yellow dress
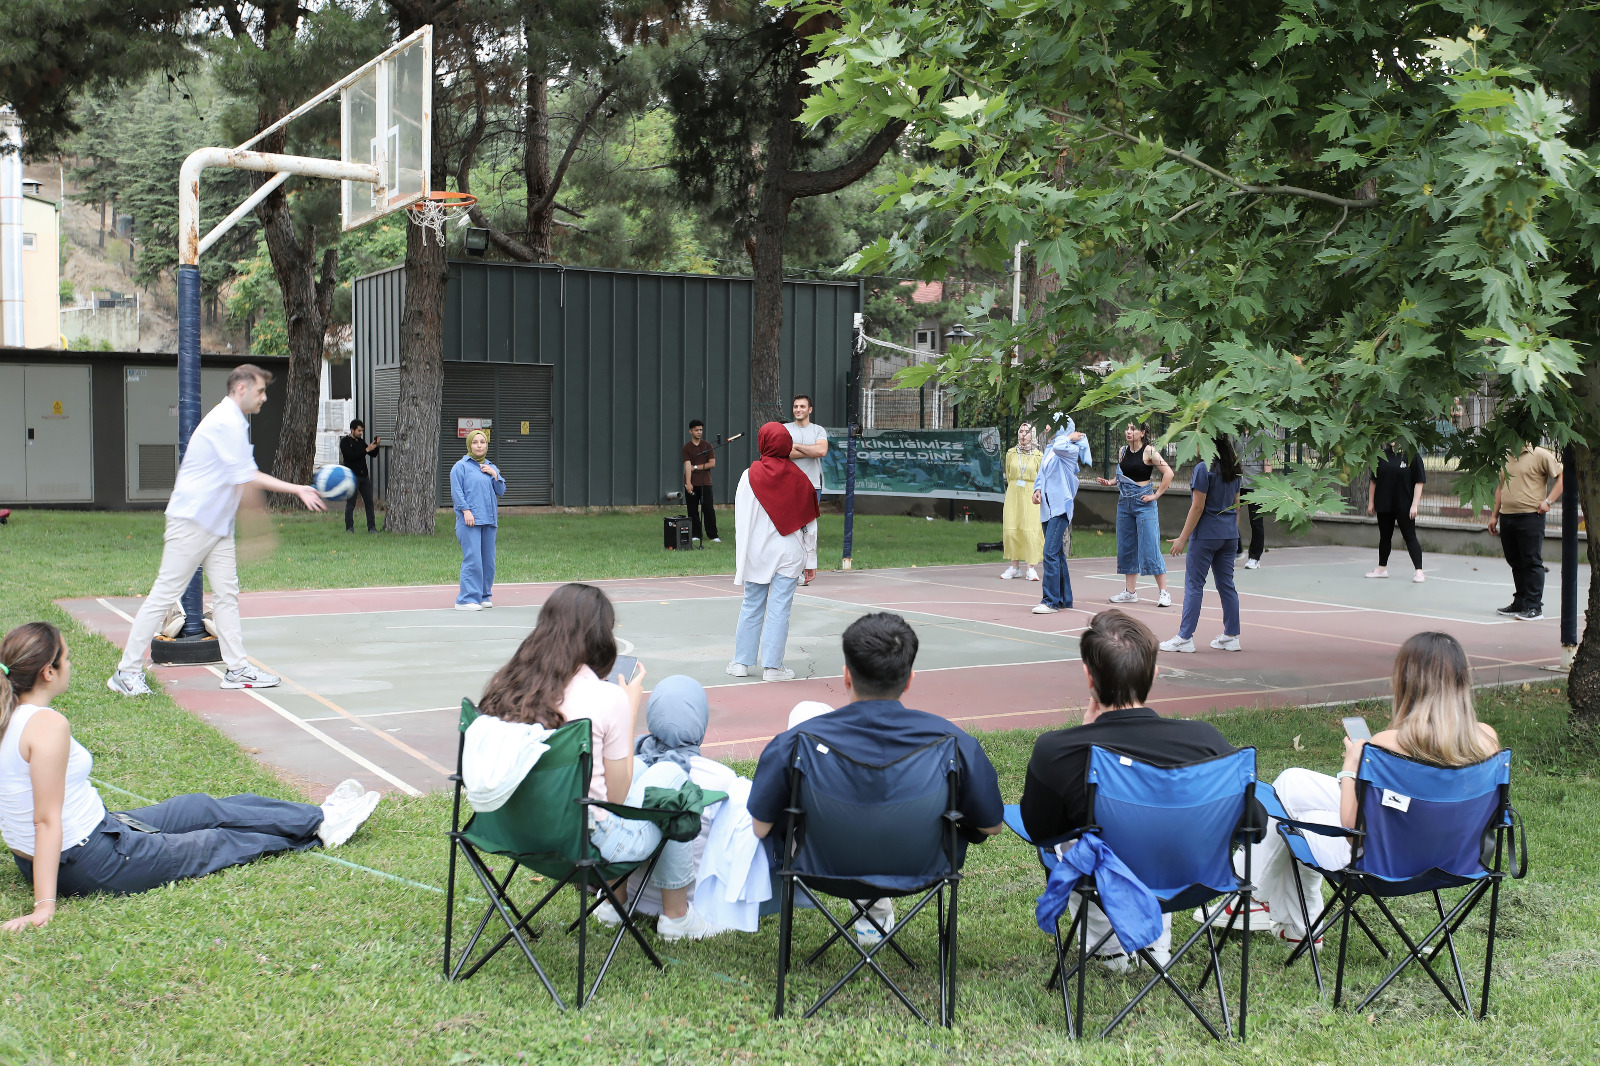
(1024, 536)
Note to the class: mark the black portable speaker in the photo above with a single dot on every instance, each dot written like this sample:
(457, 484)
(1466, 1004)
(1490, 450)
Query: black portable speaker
(675, 533)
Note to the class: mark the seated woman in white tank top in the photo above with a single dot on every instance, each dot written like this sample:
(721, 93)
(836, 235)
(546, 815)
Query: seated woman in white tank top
(67, 844)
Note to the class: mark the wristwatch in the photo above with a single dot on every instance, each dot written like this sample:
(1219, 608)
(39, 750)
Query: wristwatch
(1342, 774)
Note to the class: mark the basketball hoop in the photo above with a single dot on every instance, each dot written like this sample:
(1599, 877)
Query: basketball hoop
(437, 208)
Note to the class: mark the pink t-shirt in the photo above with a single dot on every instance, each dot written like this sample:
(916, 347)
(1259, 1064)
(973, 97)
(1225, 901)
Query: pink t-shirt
(606, 705)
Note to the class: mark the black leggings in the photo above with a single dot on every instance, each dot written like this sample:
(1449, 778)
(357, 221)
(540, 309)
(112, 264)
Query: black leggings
(1408, 530)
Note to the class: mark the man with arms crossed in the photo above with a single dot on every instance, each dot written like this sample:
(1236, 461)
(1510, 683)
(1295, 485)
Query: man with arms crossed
(217, 466)
(1119, 661)
(810, 445)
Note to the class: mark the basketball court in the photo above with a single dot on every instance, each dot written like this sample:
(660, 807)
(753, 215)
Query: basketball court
(373, 678)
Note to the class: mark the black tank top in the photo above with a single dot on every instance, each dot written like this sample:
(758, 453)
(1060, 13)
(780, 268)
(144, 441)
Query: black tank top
(1132, 464)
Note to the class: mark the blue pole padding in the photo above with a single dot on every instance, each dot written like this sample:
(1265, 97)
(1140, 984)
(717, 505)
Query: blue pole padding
(189, 413)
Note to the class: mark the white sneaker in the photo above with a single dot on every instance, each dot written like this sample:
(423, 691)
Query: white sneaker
(736, 670)
(606, 915)
(128, 683)
(866, 933)
(486, 604)
(1227, 643)
(716, 540)
(341, 820)
(1044, 608)
(1258, 920)
(690, 927)
(1125, 597)
(1418, 578)
(249, 677)
(469, 606)
(1252, 564)
(347, 790)
(1178, 644)
(1165, 599)
(779, 674)
(1033, 575)
(1010, 573)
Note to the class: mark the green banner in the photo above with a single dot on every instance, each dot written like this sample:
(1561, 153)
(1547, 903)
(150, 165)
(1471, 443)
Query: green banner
(946, 464)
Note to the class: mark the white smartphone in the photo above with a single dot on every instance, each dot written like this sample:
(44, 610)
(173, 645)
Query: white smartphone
(1356, 728)
(623, 670)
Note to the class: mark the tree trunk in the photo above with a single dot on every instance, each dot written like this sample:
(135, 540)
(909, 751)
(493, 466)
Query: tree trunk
(1583, 683)
(305, 306)
(536, 158)
(766, 261)
(413, 484)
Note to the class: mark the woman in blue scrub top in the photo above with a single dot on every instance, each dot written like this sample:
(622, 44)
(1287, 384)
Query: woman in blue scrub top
(1213, 522)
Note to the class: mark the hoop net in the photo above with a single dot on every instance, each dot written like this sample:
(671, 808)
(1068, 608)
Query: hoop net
(438, 208)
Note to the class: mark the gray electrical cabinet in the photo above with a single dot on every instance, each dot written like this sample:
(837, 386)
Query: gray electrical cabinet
(150, 401)
(46, 434)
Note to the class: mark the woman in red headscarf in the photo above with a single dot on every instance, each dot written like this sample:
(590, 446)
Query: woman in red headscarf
(775, 522)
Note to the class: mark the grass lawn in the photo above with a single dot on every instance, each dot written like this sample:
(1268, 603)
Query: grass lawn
(303, 960)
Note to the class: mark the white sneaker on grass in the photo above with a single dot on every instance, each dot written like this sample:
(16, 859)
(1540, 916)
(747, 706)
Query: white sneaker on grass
(1009, 574)
(248, 676)
(128, 683)
(866, 933)
(346, 791)
(1226, 643)
(1178, 644)
(716, 540)
(1259, 920)
(341, 820)
(781, 673)
(606, 915)
(736, 670)
(1165, 599)
(1125, 597)
(690, 927)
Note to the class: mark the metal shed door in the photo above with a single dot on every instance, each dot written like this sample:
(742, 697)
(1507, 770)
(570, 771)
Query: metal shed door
(523, 432)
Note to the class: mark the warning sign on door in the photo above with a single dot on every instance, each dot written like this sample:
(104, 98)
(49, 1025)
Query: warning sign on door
(467, 425)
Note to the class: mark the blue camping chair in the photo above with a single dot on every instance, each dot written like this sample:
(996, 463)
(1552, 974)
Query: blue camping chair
(1419, 828)
(1175, 828)
(861, 833)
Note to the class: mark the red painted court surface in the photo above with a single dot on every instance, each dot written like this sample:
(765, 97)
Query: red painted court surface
(373, 678)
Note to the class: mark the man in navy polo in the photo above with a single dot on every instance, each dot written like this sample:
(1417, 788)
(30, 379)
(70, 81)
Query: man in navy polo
(877, 728)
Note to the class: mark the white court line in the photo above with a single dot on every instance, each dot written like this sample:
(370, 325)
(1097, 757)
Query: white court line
(383, 714)
(924, 670)
(359, 760)
(440, 625)
(114, 609)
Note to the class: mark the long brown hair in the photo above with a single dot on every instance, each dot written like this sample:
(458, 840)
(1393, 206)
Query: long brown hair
(576, 629)
(1433, 712)
(26, 651)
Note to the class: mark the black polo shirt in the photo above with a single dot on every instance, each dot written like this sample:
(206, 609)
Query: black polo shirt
(1055, 798)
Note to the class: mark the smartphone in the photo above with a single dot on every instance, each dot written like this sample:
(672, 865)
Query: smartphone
(1356, 729)
(623, 670)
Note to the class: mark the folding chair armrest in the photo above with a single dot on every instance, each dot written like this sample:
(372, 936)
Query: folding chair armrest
(1320, 829)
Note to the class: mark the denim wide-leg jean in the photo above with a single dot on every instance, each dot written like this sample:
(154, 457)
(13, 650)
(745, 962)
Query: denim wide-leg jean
(764, 622)
(1138, 530)
(1057, 591)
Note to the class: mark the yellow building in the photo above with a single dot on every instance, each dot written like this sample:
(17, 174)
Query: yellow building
(41, 269)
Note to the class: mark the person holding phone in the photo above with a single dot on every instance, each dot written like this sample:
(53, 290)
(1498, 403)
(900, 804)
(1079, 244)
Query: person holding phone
(475, 490)
(64, 841)
(1433, 722)
(555, 677)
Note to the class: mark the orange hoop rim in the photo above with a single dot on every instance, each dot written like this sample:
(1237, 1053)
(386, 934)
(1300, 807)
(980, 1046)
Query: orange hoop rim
(445, 198)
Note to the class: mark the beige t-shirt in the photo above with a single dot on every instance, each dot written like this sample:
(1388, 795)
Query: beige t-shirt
(1526, 480)
(606, 705)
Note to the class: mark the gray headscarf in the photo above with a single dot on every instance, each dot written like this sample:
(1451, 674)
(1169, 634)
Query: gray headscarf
(677, 717)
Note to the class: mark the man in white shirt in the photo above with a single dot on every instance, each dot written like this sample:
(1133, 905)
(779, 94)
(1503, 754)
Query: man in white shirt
(810, 445)
(217, 466)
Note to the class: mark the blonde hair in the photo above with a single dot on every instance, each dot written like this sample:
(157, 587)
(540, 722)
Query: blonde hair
(1433, 712)
(25, 652)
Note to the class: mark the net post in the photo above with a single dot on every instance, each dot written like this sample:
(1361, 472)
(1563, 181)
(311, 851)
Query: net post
(858, 344)
(189, 413)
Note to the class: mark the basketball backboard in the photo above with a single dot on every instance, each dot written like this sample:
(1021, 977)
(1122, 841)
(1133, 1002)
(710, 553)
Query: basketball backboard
(387, 115)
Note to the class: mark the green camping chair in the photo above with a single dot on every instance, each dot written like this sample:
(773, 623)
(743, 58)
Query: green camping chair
(544, 827)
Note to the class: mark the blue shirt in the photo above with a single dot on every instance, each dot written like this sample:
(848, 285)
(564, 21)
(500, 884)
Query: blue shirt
(1220, 520)
(473, 490)
(878, 732)
(1058, 474)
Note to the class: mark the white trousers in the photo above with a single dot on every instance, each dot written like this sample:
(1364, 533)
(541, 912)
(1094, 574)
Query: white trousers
(1307, 796)
(1100, 925)
(188, 546)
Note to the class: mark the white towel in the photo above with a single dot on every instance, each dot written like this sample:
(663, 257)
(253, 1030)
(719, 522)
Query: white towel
(497, 756)
(733, 877)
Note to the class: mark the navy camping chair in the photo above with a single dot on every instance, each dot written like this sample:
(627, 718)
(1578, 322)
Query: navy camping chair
(859, 832)
(1420, 828)
(1175, 828)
